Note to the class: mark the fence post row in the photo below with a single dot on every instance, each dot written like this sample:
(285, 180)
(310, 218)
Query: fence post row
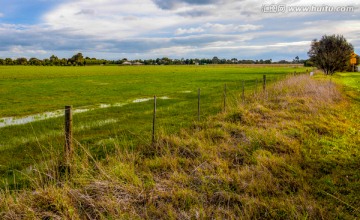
(68, 137)
(69, 131)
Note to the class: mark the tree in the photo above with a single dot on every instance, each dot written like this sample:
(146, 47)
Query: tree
(296, 60)
(77, 59)
(215, 60)
(9, 61)
(331, 53)
(54, 60)
(269, 61)
(35, 62)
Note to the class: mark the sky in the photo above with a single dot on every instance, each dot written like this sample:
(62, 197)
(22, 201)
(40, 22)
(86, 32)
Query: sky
(148, 29)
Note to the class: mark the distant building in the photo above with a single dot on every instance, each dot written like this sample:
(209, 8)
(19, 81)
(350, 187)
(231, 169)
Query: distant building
(138, 63)
(126, 63)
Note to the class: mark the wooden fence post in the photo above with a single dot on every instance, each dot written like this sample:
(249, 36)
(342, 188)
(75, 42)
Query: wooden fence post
(243, 92)
(154, 121)
(256, 86)
(68, 137)
(199, 104)
(264, 82)
(225, 97)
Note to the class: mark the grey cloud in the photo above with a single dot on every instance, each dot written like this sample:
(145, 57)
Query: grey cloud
(139, 45)
(170, 4)
(195, 13)
(249, 13)
(85, 12)
(66, 40)
(201, 40)
(41, 39)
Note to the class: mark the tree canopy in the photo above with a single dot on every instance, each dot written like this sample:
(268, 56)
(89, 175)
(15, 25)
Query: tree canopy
(331, 53)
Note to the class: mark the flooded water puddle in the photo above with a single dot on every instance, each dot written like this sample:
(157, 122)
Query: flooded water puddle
(105, 105)
(141, 100)
(148, 99)
(4, 122)
(9, 121)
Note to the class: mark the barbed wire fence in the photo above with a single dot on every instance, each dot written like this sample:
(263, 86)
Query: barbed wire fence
(232, 94)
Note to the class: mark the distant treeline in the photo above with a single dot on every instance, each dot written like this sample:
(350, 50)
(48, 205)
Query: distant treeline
(79, 60)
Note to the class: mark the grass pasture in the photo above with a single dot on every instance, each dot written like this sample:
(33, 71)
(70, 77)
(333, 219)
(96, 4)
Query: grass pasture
(291, 155)
(27, 90)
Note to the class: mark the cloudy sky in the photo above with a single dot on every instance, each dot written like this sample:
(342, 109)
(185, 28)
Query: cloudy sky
(142, 29)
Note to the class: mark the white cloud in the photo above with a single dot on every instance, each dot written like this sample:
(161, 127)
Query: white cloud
(181, 31)
(21, 50)
(218, 28)
(232, 27)
(112, 20)
(1, 15)
(286, 44)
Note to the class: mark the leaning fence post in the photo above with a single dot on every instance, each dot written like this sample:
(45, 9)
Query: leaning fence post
(68, 137)
(154, 121)
(199, 104)
(225, 97)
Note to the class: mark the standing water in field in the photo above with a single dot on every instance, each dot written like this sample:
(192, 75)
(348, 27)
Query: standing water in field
(148, 99)
(9, 121)
(4, 122)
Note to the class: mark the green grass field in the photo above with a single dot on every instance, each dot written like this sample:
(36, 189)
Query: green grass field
(32, 90)
(29, 90)
(291, 153)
